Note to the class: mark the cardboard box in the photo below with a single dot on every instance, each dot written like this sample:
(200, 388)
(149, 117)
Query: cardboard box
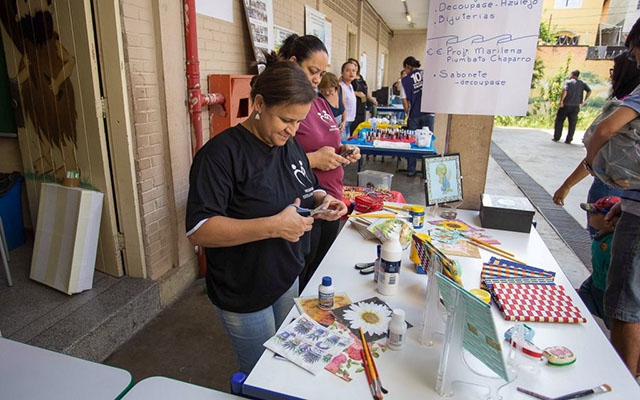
(375, 179)
(506, 212)
(64, 250)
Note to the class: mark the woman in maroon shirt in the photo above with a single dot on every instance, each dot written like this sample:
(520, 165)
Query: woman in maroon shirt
(319, 136)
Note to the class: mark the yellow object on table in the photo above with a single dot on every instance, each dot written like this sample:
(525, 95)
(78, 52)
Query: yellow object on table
(413, 255)
(367, 125)
(482, 295)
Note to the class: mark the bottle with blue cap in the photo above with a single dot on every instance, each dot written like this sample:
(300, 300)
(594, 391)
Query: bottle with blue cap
(326, 294)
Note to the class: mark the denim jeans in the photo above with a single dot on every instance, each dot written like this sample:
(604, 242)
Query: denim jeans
(346, 132)
(417, 123)
(248, 331)
(622, 295)
(593, 298)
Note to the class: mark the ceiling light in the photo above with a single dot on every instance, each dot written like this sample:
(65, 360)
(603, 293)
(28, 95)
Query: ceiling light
(409, 17)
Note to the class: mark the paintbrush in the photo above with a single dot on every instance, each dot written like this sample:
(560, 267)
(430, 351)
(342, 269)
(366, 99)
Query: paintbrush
(482, 242)
(596, 390)
(368, 374)
(493, 250)
(381, 215)
(371, 366)
(533, 394)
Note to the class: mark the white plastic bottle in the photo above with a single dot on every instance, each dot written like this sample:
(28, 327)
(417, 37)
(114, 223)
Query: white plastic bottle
(397, 330)
(376, 264)
(326, 293)
(390, 260)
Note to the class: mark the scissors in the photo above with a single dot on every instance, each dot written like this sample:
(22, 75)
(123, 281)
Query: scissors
(311, 211)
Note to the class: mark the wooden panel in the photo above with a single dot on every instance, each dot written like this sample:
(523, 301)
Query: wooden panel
(54, 64)
(470, 135)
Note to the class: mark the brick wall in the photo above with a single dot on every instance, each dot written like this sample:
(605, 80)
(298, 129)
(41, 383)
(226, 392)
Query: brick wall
(149, 135)
(154, 51)
(404, 44)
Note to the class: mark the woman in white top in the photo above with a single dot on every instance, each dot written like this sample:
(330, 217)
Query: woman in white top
(348, 75)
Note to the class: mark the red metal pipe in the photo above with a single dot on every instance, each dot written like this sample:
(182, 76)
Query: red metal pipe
(193, 70)
(196, 98)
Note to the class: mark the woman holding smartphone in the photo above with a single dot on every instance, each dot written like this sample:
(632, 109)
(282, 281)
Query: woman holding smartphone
(319, 136)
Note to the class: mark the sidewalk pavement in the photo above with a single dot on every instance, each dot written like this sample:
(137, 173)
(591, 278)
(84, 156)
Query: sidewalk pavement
(547, 163)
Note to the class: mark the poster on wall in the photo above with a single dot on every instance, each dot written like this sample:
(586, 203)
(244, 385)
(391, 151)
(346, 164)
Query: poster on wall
(479, 57)
(280, 34)
(260, 21)
(316, 24)
(220, 9)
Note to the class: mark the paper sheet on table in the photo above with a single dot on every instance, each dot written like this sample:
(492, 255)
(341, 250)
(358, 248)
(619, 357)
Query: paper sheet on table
(391, 145)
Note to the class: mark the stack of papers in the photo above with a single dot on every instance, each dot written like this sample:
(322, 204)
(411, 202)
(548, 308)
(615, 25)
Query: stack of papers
(505, 271)
(308, 344)
(535, 303)
(526, 293)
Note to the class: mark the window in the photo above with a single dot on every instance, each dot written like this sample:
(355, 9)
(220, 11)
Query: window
(568, 3)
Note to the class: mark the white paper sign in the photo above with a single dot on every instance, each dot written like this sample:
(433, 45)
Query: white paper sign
(480, 55)
(221, 9)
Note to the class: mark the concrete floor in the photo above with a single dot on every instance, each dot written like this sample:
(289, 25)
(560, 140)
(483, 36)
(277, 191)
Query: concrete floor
(186, 341)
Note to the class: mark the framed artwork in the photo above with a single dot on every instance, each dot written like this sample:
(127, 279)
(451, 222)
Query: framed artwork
(259, 15)
(444, 179)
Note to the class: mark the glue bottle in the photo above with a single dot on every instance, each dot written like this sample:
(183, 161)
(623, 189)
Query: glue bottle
(396, 330)
(325, 294)
(390, 260)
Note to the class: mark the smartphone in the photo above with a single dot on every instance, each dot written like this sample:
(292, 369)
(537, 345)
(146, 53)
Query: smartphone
(348, 151)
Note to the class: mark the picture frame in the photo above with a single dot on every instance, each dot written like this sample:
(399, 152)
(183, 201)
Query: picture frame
(443, 183)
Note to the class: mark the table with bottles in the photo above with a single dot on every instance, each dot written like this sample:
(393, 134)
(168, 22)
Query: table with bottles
(411, 373)
(389, 140)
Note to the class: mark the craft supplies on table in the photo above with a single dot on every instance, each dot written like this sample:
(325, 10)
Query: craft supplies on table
(536, 303)
(404, 373)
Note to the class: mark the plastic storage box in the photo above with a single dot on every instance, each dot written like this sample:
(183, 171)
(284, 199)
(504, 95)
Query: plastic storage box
(506, 212)
(375, 179)
(11, 213)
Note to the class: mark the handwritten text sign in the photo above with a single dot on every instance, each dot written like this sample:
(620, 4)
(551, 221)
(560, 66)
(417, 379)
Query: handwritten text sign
(480, 56)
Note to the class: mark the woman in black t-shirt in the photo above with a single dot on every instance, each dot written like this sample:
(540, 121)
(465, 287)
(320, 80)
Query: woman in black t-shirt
(244, 186)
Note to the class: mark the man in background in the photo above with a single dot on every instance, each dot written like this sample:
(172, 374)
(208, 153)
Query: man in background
(570, 103)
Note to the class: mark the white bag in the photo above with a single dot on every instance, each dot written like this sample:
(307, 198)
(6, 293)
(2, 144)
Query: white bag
(423, 137)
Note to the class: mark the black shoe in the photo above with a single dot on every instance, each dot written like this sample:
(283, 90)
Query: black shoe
(411, 174)
(555, 140)
(567, 141)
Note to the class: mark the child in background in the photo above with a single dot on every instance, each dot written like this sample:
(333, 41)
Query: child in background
(592, 289)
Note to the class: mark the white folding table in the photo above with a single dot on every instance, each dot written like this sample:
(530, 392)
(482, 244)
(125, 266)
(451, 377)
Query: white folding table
(411, 373)
(160, 387)
(28, 372)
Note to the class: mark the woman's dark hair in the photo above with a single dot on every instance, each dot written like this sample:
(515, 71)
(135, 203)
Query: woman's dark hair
(344, 65)
(411, 61)
(625, 76)
(354, 61)
(283, 83)
(633, 38)
(301, 47)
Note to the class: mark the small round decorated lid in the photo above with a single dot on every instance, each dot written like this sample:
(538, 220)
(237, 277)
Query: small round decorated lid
(559, 356)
